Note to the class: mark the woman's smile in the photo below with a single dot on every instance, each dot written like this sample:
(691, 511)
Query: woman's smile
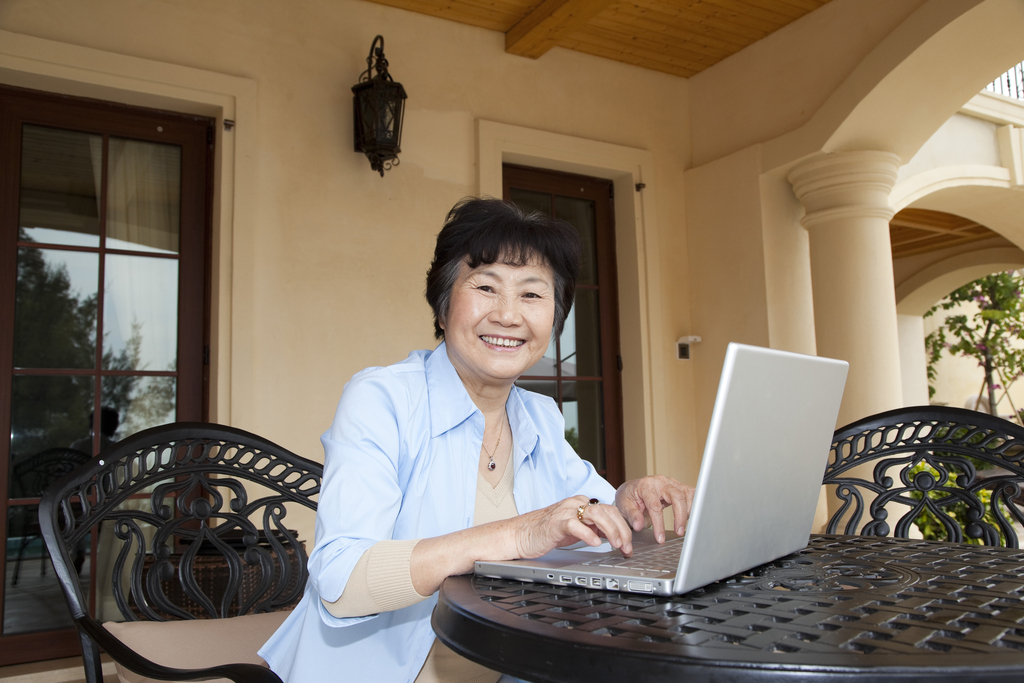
(504, 342)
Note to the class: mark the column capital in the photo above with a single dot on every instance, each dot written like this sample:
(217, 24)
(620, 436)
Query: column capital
(839, 185)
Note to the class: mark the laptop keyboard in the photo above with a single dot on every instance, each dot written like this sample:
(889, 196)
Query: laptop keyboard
(662, 558)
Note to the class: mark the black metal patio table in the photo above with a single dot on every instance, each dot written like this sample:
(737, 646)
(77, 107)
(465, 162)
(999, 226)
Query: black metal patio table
(846, 608)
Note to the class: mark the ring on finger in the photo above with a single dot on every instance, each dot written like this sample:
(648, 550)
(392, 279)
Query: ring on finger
(583, 508)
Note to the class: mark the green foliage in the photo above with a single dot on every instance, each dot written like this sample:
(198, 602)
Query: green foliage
(52, 328)
(929, 524)
(988, 336)
(55, 327)
(573, 437)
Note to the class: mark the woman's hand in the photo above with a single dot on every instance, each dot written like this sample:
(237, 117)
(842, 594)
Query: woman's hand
(524, 536)
(558, 525)
(644, 499)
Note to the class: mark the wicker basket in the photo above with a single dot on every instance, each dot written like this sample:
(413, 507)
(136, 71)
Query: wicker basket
(211, 573)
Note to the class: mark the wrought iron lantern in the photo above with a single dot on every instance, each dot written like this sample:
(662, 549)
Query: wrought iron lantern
(378, 104)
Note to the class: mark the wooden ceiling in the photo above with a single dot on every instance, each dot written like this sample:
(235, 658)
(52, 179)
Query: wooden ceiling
(679, 37)
(918, 231)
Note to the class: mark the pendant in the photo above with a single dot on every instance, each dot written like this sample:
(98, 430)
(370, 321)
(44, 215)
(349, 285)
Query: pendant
(491, 465)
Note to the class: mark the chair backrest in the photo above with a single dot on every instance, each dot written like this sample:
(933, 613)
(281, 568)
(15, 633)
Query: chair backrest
(32, 476)
(957, 472)
(192, 520)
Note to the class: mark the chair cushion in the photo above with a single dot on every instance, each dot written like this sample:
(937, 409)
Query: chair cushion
(198, 643)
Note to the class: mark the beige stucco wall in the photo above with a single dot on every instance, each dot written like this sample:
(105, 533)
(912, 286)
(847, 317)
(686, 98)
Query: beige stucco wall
(817, 86)
(780, 82)
(319, 262)
(324, 266)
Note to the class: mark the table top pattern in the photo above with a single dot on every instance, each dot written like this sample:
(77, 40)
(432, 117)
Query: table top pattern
(842, 605)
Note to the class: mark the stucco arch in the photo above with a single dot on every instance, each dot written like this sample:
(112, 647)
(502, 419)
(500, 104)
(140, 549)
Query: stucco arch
(912, 82)
(998, 208)
(922, 290)
(915, 189)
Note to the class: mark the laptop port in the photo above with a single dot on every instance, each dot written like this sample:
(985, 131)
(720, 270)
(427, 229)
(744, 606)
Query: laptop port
(565, 579)
(612, 584)
(551, 576)
(595, 582)
(641, 587)
(581, 581)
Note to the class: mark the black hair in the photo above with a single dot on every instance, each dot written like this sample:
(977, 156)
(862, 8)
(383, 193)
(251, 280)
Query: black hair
(479, 231)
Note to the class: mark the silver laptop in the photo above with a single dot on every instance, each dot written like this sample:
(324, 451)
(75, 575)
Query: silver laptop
(756, 493)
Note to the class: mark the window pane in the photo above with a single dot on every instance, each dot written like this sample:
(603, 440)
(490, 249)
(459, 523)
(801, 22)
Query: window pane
(543, 387)
(139, 402)
(545, 367)
(140, 313)
(55, 309)
(530, 201)
(584, 422)
(580, 343)
(47, 412)
(61, 171)
(32, 598)
(143, 196)
(580, 212)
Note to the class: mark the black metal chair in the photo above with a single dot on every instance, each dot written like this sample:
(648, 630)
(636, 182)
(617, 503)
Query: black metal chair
(208, 538)
(957, 471)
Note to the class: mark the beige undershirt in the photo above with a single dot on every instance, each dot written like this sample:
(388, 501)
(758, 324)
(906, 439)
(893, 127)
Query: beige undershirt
(382, 581)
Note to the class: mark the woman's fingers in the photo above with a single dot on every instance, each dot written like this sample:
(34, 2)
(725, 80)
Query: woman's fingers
(682, 504)
(612, 526)
(543, 530)
(648, 497)
(560, 525)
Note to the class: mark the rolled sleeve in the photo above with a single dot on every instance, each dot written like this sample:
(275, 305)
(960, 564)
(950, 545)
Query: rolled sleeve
(340, 622)
(361, 494)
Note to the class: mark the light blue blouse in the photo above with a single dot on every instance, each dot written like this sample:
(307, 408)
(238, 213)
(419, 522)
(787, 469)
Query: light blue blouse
(401, 462)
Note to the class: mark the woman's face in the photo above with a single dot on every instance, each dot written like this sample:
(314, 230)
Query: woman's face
(499, 322)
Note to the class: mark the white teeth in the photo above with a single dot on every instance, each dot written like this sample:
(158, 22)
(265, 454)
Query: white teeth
(498, 341)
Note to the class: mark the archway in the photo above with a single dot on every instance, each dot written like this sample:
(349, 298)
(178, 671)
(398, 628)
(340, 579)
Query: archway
(851, 153)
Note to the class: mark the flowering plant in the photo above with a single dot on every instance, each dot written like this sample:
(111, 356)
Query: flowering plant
(991, 335)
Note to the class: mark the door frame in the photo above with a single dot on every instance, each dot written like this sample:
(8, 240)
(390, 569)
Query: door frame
(22, 106)
(644, 347)
(599, 191)
(62, 68)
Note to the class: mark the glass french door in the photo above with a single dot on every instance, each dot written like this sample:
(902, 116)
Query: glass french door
(580, 369)
(103, 246)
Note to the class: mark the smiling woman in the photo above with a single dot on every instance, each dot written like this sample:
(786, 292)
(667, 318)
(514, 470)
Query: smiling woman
(441, 460)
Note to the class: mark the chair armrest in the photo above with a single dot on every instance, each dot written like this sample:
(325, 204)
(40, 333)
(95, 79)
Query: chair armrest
(130, 659)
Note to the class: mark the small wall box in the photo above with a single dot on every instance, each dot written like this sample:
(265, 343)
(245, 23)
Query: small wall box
(683, 347)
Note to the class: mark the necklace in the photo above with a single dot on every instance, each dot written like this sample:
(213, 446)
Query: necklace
(490, 454)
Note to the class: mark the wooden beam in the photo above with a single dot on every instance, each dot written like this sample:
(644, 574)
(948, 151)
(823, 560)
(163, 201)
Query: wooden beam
(540, 30)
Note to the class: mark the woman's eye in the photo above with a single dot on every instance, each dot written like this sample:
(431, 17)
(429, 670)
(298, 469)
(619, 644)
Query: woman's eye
(532, 295)
(485, 288)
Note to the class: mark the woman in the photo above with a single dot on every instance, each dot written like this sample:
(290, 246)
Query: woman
(439, 461)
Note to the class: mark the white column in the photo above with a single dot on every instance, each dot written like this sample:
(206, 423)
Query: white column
(913, 360)
(846, 199)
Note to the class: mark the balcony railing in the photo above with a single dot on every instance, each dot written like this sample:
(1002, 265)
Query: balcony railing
(1010, 83)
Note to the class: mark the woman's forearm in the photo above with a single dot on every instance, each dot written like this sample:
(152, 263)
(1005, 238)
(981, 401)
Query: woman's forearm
(435, 559)
(528, 535)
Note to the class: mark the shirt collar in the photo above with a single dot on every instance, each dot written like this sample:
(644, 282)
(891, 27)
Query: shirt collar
(450, 404)
(524, 430)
